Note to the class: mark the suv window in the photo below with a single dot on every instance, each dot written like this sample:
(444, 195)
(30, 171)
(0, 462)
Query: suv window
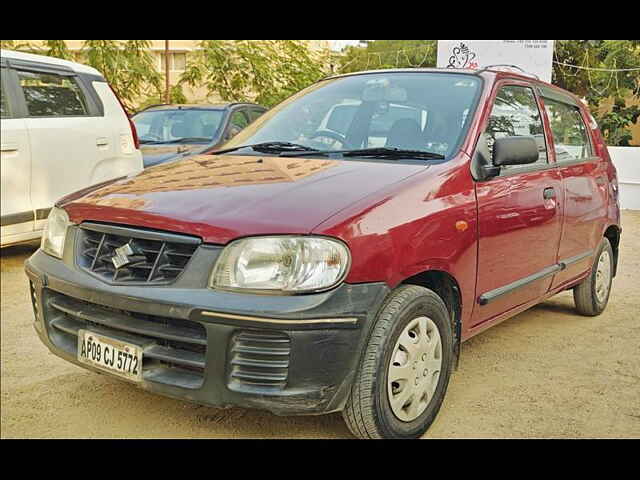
(570, 136)
(51, 95)
(4, 101)
(515, 113)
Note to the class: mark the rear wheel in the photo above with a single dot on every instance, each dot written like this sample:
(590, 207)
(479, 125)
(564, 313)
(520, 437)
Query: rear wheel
(592, 295)
(405, 369)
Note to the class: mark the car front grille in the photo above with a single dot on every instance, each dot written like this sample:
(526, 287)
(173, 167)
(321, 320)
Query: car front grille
(259, 359)
(159, 257)
(174, 350)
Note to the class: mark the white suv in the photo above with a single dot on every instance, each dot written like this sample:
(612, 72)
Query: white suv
(63, 129)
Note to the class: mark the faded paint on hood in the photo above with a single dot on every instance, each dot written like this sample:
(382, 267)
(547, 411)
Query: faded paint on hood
(223, 197)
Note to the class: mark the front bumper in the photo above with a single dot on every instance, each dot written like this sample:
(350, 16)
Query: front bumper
(285, 354)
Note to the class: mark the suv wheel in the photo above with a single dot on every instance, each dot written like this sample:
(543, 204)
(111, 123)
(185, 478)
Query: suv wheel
(405, 369)
(591, 296)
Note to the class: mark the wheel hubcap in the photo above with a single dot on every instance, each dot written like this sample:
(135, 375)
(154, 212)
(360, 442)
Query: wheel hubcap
(603, 276)
(414, 369)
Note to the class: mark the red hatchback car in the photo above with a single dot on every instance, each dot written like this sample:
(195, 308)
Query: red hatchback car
(334, 255)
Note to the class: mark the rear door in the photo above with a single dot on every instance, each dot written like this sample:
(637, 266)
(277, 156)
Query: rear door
(15, 163)
(67, 133)
(584, 183)
(519, 211)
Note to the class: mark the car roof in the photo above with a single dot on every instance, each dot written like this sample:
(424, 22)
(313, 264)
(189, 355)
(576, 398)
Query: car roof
(489, 73)
(31, 57)
(197, 106)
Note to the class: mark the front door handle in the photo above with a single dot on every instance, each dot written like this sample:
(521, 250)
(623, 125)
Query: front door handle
(548, 193)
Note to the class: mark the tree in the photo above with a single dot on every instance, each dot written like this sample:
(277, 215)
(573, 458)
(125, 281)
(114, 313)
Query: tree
(127, 65)
(377, 54)
(263, 71)
(599, 87)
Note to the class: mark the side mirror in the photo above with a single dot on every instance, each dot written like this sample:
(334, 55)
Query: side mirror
(519, 150)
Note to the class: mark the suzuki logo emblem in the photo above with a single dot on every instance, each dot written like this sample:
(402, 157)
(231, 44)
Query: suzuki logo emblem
(125, 255)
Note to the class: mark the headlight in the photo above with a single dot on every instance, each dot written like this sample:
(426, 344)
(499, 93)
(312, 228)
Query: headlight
(284, 264)
(55, 232)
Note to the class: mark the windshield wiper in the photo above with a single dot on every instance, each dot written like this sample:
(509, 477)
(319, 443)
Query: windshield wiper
(376, 152)
(269, 147)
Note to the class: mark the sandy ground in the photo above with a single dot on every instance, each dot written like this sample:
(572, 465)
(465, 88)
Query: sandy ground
(544, 373)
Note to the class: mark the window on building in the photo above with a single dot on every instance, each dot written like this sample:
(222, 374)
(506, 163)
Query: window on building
(570, 136)
(51, 95)
(515, 113)
(177, 61)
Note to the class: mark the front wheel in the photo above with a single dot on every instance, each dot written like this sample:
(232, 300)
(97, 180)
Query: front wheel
(592, 294)
(405, 369)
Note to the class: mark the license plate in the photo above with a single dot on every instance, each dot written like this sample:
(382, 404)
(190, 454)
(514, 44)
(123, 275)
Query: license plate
(111, 355)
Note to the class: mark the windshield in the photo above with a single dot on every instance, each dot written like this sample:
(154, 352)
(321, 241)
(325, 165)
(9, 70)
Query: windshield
(168, 126)
(418, 111)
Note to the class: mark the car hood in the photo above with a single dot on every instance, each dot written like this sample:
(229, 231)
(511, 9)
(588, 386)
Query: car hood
(156, 154)
(223, 197)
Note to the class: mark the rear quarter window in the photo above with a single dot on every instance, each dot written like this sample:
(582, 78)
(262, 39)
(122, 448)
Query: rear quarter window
(51, 95)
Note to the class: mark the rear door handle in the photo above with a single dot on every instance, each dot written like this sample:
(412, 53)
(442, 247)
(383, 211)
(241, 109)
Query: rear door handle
(102, 141)
(548, 193)
(9, 147)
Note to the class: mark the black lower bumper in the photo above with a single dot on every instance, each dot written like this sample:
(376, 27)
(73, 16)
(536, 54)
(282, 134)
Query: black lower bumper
(285, 354)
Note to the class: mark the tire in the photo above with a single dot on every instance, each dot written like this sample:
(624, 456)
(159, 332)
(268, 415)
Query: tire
(589, 297)
(369, 412)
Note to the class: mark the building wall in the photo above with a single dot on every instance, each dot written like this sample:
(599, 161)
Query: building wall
(627, 162)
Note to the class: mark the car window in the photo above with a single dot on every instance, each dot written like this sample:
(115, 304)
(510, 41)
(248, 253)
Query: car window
(239, 119)
(389, 116)
(255, 113)
(4, 101)
(570, 136)
(172, 125)
(423, 111)
(51, 95)
(515, 113)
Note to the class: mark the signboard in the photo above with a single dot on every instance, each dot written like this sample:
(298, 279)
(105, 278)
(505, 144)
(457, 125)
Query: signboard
(533, 56)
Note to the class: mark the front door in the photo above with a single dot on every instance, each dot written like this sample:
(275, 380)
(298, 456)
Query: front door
(519, 212)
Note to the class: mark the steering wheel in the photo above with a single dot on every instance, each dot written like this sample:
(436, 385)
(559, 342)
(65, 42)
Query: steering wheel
(332, 135)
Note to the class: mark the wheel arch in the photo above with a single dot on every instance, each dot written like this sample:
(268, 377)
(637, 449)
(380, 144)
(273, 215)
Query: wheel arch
(448, 289)
(612, 233)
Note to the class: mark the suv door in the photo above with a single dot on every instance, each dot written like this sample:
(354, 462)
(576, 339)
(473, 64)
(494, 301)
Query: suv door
(584, 182)
(68, 136)
(519, 211)
(17, 211)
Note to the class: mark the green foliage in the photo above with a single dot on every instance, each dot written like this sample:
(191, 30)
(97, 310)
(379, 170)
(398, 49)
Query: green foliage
(263, 71)
(614, 124)
(127, 65)
(597, 86)
(57, 48)
(378, 54)
(176, 95)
